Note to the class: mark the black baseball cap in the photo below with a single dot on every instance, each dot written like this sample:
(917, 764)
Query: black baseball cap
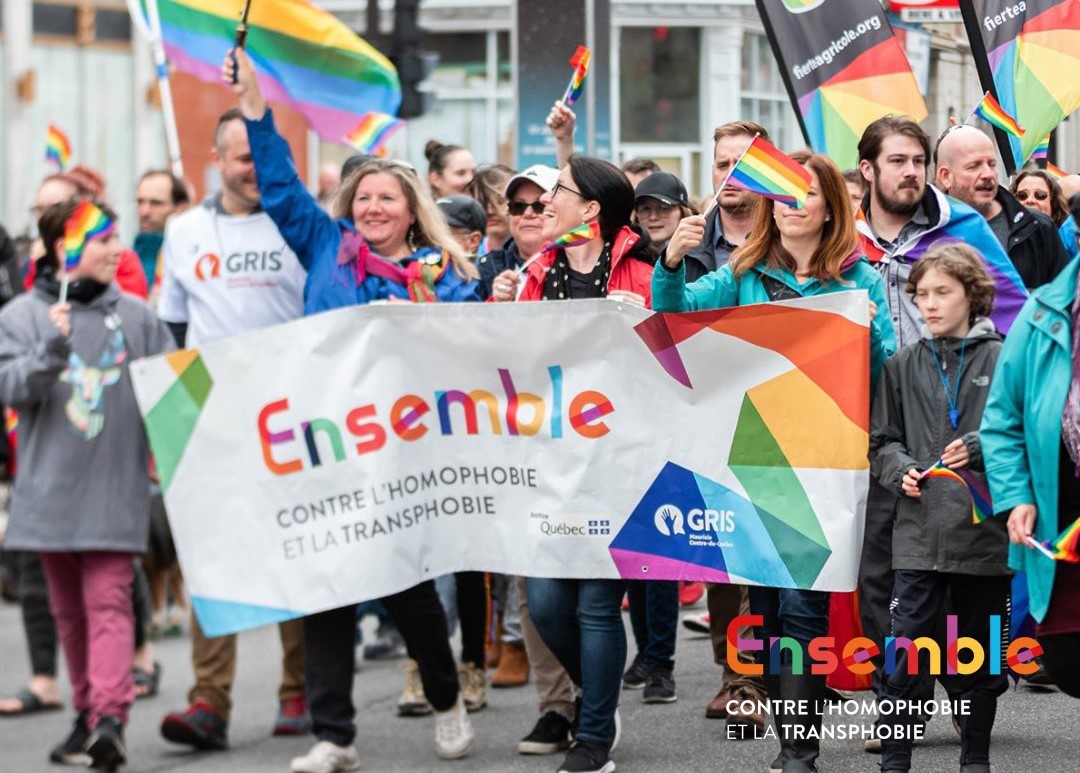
(664, 187)
(463, 212)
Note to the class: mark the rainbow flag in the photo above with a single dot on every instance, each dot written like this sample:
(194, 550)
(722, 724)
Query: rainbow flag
(766, 171)
(1066, 546)
(981, 507)
(371, 134)
(580, 62)
(993, 113)
(1042, 149)
(86, 222)
(57, 148)
(1056, 171)
(585, 232)
(306, 58)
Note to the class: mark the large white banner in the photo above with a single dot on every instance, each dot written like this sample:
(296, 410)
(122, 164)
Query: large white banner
(352, 454)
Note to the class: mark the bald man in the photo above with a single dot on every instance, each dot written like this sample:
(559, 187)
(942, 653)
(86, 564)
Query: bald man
(967, 170)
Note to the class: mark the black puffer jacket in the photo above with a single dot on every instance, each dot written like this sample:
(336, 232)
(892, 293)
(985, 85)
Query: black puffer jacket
(1034, 246)
(909, 427)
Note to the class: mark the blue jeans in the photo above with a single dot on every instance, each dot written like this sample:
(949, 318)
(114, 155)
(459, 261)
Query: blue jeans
(654, 615)
(799, 614)
(580, 621)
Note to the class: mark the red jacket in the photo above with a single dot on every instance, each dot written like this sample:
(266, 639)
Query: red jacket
(628, 274)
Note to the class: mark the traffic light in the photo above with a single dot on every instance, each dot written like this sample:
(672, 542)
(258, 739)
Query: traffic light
(413, 69)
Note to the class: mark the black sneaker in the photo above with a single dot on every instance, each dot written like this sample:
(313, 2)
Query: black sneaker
(73, 750)
(106, 744)
(659, 686)
(587, 758)
(635, 676)
(551, 734)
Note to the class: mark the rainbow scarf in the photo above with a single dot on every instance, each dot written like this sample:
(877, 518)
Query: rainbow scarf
(306, 58)
(993, 113)
(575, 237)
(419, 277)
(370, 135)
(580, 62)
(86, 222)
(962, 224)
(981, 506)
(766, 171)
(57, 148)
(1066, 546)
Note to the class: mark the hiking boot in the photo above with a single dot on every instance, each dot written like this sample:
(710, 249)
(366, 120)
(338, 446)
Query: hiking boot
(453, 732)
(200, 725)
(413, 702)
(106, 744)
(72, 751)
(636, 675)
(550, 735)
(659, 686)
(718, 706)
(587, 758)
(473, 683)
(326, 757)
(293, 717)
(513, 670)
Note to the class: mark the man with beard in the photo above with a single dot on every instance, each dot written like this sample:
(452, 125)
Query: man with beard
(226, 271)
(967, 170)
(900, 218)
(707, 241)
(158, 195)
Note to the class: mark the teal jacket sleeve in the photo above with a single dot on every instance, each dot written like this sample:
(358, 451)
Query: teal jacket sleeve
(717, 290)
(305, 226)
(1008, 471)
(882, 334)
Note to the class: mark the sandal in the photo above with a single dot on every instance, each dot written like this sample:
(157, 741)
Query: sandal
(30, 704)
(148, 681)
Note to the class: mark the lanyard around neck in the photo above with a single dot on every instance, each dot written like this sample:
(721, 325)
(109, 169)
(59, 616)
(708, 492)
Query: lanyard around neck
(953, 397)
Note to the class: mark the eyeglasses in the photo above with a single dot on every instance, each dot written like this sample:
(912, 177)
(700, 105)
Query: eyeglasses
(1039, 195)
(560, 187)
(645, 209)
(517, 208)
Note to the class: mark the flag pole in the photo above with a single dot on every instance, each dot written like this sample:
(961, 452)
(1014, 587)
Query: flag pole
(161, 67)
(716, 195)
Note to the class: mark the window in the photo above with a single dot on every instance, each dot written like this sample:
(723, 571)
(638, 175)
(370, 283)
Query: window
(659, 88)
(764, 98)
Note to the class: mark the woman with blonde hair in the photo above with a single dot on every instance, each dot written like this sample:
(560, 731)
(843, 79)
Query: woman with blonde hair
(387, 239)
(791, 253)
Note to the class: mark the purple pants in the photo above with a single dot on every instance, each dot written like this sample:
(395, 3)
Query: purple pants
(90, 595)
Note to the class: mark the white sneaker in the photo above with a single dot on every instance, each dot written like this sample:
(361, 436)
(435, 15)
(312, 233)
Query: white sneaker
(698, 623)
(326, 757)
(453, 732)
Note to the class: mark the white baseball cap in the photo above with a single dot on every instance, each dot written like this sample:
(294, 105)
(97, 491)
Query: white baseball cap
(537, 174)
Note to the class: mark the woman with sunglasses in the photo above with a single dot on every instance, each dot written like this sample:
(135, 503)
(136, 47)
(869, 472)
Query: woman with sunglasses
(791, 253)
(525, 213)
(1036, 189)
(387, 240)
(580, 620)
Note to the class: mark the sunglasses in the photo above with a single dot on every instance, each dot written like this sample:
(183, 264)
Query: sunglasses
(517, 208)
(1024, 195)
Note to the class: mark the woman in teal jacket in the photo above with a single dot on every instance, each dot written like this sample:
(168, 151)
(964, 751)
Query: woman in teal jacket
(1032, 462)
(791, 253)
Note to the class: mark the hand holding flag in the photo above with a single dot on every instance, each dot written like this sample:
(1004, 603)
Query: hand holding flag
(575, 237)
(981, 506)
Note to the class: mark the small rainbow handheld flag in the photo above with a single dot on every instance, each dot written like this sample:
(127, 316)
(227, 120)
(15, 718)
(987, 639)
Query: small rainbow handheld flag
(766, 171)
(981, 507)
(1042, 149)
(1066, 546)
(580, 62)
(371, 134)
(585, 232)
(1055, 171)
(86, 222)
(57, 148)
(993, 113)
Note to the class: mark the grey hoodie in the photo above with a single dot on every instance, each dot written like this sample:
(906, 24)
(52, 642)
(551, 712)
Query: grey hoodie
(83, 481)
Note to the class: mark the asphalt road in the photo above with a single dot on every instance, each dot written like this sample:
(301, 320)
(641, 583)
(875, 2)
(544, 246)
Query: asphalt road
(1034, 731)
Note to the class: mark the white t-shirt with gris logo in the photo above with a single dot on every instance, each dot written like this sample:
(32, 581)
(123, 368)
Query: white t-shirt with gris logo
(227, 275)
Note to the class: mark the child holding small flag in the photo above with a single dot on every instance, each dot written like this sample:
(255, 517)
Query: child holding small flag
(82, 497)
(924, 427)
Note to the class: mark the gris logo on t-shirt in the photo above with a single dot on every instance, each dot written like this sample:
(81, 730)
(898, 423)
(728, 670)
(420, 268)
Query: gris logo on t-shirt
(210, 266)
